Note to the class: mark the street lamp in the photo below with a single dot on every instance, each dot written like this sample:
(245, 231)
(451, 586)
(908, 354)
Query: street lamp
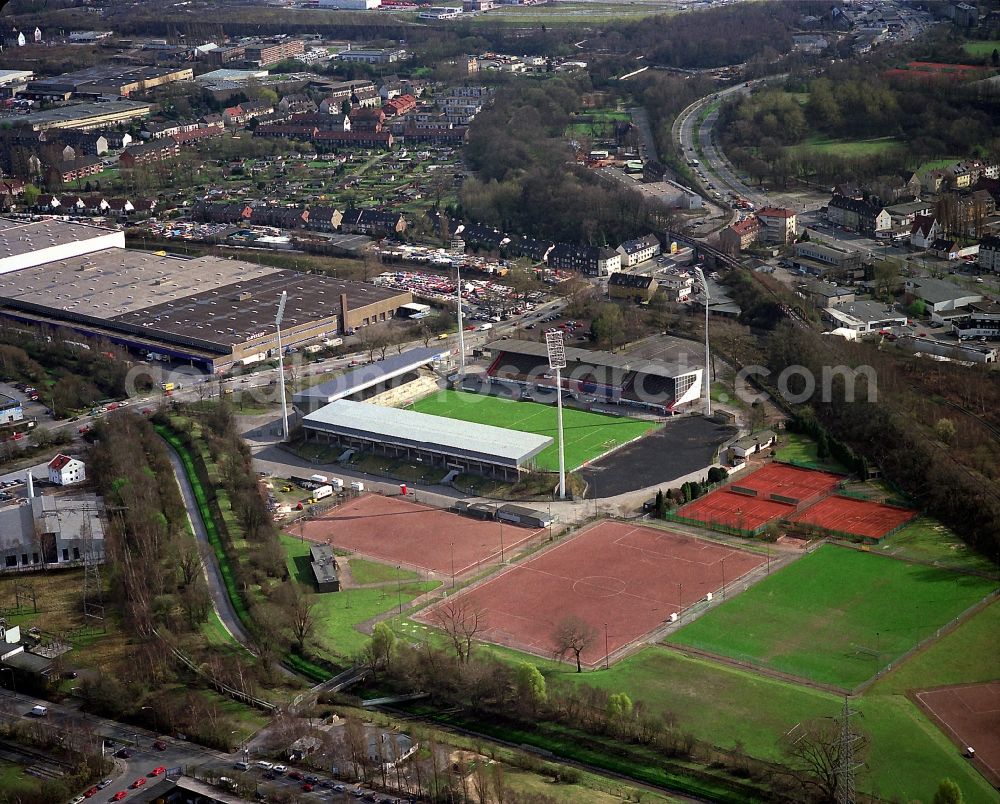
(281, 365)
(723, 579)
(453, 565)
(501, 541)
(607, 653)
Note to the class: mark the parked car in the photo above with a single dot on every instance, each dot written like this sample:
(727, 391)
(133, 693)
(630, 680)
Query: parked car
(141, 781)
(158, 771)
(159, 745)
(119, 795)
(92, 792)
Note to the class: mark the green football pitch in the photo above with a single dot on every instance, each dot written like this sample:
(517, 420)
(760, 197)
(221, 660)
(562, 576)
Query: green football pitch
(835, 616)
(588, 435)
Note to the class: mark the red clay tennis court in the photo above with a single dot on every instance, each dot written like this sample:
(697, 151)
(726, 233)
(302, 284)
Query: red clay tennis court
(398, 531)
(723, 507)
(857, 517)
(630, 578)
(788, 481)
(970, 715)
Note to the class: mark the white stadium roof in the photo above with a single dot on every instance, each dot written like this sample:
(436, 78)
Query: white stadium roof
(437, 434)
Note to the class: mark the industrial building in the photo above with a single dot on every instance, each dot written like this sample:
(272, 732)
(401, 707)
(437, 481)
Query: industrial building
(86, 116)
(107, 80)
(24, 244)
(42, 532)
(433, 440)
(212, 312)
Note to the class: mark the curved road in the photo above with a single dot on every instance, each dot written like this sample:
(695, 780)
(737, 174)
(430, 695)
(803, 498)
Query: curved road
(209, 564)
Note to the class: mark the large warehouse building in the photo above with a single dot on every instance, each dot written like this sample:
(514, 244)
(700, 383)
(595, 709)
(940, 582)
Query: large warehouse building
(651, 385)
(209, 311)
(434, 440)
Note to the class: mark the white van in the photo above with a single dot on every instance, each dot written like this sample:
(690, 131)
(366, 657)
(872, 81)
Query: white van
(357, 485)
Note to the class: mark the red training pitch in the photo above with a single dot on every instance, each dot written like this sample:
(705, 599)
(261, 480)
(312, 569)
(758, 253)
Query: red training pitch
(398, 531)
(628, 579)
(857, 517)
(970, 715)
(734, 510)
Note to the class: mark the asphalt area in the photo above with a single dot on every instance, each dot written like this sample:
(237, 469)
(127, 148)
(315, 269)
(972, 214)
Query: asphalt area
(683, 445)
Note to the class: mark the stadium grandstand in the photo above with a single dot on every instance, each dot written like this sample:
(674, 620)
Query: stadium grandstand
(433, 440)
(650, 385)
(409, 374)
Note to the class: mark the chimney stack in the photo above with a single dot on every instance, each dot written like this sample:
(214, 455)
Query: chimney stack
(29, 482)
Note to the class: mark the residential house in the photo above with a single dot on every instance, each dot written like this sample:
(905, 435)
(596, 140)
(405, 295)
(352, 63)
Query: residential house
(158, 129)
(357, 139)
(903, 215)
(90, 143)
(294, 104)
(399, 106)
(279, 217)
(287, 131)
(221, 213)
(741, 235)
(593, 260)
(636, 287)
(676, 286)
(363, 119)
(117, 140)
(372, 222)
(989, 254)
(147, 153)
(869, 217)
(79, 167)
(325, 219)
(390, 88)
(193, 135)
(639, 250)
(777, 224)
(65, 470)
(924, 230)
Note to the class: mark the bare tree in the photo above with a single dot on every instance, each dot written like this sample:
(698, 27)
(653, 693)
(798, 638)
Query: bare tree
(301, 616)
(461, 622)
(573, 635)
(814, 749)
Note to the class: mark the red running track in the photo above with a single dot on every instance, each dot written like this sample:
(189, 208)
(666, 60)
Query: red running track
(398, 531)
(630, 578)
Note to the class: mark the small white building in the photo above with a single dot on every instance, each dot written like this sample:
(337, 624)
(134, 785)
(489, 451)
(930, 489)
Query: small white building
(753, 444)
(65, 470)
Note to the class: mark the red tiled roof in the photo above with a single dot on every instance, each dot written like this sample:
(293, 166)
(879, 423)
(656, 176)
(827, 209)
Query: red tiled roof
(776, 212)
(59, 462)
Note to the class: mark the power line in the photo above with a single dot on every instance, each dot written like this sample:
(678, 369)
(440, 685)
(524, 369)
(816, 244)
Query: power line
(846, 767)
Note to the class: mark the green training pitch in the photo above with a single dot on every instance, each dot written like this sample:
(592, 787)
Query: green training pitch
(588, 435)
(835, 616)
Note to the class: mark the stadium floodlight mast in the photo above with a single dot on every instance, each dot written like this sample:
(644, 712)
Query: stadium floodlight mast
(281, 366)
(461, 326)
(708, 360)
(557, 361)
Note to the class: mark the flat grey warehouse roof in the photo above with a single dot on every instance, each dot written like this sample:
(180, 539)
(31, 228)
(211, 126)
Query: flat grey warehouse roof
(210, 299)
(25, 237)
(436, 434)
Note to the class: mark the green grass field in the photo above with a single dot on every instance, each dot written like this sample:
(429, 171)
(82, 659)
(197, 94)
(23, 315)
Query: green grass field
(835, 616)
(982, 49)
(847, 149)
(924, 539)
(724, 705)
(13, 780)
(588, 435)
(338, 614)
(364, 572)
(801, 449)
